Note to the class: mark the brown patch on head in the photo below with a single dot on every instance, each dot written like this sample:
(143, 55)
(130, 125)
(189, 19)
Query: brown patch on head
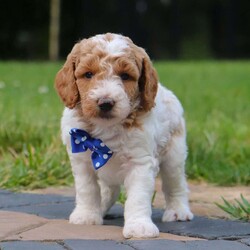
(126, 68)
(78, 62)
(147, 84)
(126, 63)
(87, 63)
(148, 81)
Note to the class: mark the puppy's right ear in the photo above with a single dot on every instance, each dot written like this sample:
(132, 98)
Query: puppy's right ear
(65, 81)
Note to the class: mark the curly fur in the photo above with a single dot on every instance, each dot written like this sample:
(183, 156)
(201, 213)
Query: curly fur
(145, 129)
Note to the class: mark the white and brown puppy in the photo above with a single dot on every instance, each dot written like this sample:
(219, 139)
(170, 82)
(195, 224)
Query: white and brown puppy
(110, 89)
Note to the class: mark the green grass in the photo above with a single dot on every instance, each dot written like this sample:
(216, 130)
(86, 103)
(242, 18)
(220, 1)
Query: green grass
(240, 210)
(216, 99)
(215, 96)
(31, 153)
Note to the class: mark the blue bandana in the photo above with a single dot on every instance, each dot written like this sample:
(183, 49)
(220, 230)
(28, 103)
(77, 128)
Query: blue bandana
(81, 141)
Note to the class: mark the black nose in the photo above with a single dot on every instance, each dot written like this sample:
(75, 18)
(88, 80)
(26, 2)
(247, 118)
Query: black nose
(106, 104)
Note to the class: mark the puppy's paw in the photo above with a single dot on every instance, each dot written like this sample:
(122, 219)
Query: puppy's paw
(142, 228)
(79, 216)
(182, 213)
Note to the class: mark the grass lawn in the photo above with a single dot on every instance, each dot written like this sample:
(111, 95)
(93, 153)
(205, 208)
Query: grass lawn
(215, 96)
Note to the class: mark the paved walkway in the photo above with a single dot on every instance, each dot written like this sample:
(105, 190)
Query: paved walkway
(39, 221)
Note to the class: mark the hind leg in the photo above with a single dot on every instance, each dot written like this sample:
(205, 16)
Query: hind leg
(109, 195)
(174, 184)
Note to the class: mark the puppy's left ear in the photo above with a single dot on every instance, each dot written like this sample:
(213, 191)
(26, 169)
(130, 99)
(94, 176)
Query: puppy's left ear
(148, 84)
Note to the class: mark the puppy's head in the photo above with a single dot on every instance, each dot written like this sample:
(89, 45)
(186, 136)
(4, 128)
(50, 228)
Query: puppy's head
(109, 78)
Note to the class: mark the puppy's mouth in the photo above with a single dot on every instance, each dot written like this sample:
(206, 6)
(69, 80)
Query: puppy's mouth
(106, 115)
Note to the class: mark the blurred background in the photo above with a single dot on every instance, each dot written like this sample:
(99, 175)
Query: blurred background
(168, 29)
(201, 51)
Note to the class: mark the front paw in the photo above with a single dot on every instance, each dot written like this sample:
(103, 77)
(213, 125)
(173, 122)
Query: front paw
(181, 213)
(140, 228)
(81, 216)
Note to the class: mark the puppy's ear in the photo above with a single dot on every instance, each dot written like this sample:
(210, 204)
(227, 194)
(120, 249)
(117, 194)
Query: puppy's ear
(148, 84)
(65, 81)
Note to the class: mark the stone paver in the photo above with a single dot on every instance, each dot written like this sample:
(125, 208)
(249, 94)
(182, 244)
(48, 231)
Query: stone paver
(246, 241)
(96, 245)
(202, 197)
(62, 229)
(60, 208)
(12, 223)
(39, 221)
(190, 245)
(31, 245)
(199, 227)
(125, 245)
(29, 227)
(49, 206)
(202, 227)
(50, 210)
(9, 200)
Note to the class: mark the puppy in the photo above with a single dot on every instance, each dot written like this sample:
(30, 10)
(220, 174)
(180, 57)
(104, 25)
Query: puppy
(113, 98)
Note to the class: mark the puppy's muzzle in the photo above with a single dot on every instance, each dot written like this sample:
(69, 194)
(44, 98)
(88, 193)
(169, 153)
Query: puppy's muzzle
(105, 104)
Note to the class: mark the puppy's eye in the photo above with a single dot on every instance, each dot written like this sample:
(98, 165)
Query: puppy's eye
(124, 76)
(88, 75)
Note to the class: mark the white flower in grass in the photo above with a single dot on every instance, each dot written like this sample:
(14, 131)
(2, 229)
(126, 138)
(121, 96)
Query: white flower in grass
(2, 85)
(43, 89)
